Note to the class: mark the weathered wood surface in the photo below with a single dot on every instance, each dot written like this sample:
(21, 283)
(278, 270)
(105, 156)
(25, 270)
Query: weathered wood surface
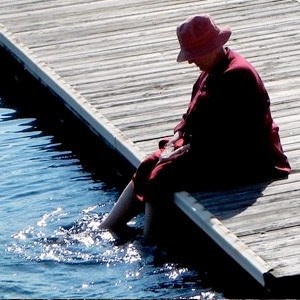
(265, 217)
(114, 63)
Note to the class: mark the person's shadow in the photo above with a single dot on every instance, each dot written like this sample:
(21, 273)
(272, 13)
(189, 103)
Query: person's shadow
(227, 203)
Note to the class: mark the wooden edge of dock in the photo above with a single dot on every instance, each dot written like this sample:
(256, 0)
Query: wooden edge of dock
(251, 262)
(73, 100)
(222, 236)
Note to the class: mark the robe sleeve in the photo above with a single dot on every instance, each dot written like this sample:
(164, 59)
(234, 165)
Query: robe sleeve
(181, 126)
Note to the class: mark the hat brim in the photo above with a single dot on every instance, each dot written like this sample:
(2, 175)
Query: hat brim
(220, 40)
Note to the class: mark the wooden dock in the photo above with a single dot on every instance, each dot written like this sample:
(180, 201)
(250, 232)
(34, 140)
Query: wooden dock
(113, 63)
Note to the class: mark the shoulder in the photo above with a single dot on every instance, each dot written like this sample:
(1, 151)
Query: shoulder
(239, 69)
(241, 80)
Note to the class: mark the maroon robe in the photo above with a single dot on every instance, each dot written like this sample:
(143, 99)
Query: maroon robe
(233, 137)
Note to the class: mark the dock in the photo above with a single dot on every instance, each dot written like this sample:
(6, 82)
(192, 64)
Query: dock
(113, 63)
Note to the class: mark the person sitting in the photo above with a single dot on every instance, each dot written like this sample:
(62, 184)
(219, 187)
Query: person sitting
(226, 137)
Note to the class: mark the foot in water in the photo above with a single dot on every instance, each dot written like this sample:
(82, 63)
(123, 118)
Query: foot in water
(125, 234)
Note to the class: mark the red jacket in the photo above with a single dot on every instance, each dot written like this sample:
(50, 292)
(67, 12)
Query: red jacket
(229, 124)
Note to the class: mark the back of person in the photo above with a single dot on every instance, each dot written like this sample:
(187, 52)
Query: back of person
(229, 125)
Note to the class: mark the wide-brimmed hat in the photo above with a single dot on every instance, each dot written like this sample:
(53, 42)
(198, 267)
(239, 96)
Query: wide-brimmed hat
(198, 36)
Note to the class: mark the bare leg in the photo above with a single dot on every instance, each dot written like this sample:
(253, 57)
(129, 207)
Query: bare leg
(156, 220)
(123, 211)
(149, 218)
(127, 208)
(152, 224)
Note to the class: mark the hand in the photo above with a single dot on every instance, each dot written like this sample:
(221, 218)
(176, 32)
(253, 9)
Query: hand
(169, 152)
(175, 137)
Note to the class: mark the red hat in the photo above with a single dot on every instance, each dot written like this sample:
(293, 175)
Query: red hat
(198, 36)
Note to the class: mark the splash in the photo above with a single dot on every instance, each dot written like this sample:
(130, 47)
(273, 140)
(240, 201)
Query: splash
(79, 242)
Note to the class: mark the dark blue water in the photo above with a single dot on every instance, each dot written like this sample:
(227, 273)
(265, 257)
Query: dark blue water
(50, 242)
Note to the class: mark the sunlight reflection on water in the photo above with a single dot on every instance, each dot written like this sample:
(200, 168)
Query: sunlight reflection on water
(50, 242)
